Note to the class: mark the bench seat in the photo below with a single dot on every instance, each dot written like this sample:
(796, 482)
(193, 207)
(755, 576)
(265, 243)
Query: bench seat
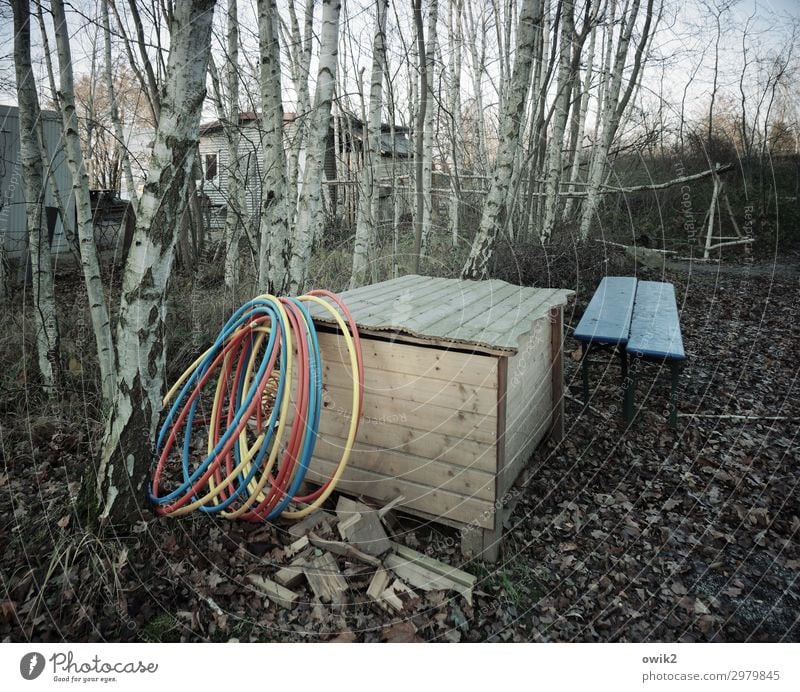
(640, 319)
(655, 330)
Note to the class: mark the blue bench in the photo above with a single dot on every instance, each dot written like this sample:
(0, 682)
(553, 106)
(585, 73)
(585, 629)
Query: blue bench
(639, 319)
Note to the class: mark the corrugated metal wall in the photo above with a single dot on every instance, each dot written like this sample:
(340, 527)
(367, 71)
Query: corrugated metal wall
(12, 199)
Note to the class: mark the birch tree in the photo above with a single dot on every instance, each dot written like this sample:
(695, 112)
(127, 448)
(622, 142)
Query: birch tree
(275, 242)
(427, 131)
(494, 207)
(300, 54)
(122, 149)
(228, 115)
(141, 331)
(419, 142)
(614, 105)
(44, 305)
(369, 197)
(454, 16)
(90, 265)
(309, 211)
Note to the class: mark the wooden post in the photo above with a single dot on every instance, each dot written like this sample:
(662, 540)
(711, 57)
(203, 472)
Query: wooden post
(557, 372)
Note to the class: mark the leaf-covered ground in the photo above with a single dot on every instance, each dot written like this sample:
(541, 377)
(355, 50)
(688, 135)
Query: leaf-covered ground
(622, 533)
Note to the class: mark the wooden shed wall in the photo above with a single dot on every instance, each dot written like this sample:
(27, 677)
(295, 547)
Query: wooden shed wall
(529, 402)
(428, 432)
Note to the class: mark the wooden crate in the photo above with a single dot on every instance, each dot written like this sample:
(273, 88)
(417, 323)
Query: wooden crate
(462, 381)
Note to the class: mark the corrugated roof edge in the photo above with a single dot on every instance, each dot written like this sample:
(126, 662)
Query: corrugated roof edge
(557, 297)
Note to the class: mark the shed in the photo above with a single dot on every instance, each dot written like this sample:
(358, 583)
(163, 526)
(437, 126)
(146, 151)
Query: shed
(13, 220)
(462, 380)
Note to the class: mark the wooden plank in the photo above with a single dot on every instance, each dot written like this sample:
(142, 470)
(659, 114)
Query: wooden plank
(291, 550)
(607, 319)
(502, 422)
(380, 581)
(421, 577)
(343, 549)
(367, 533)
(422, 361)
(275, 592)
(312, 521)
(438, 504)
(529, 401)
(416, 388)
(435, 474)
(325, 579)
(381, 410)
(292, 574)
(434, 446)
(557, 372)
(655, 327)
(462, 582)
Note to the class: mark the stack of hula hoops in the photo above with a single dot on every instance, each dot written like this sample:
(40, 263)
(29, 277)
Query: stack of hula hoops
(253, 400)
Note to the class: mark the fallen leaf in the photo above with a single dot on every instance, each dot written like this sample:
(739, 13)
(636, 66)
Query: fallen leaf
(400, 633)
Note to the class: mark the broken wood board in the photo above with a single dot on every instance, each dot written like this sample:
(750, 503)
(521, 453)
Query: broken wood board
(427, 574)
(367, 533)
(325, 579)
(343, 549)
(275, 592)
(292, 574)
(311, 522)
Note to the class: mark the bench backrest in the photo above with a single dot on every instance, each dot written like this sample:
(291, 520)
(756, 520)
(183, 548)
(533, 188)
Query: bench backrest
(607, 319)
(655, 328)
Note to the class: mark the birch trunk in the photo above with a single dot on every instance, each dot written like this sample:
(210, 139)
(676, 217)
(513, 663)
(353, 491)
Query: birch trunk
(427, 133)
(478, 61)
(122, 149)
(236, 203)
(494, 207)
(46, 158)
(615, 106)
(419, 140)
(564, 91)
(90, 265)
(141, 332)
(454, 99)
(274, 245)
(309, 212)
(44, 305)
(577, 157)
(369, 192)
(301, 64)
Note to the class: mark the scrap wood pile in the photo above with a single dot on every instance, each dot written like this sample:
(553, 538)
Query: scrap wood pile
(348, 557)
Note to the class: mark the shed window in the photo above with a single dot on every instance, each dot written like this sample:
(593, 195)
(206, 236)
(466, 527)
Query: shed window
(211, 166)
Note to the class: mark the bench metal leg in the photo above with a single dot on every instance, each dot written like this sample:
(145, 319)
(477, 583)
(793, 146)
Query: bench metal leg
(628, 408)
(627, 386)
(585, 373)
(675, 368)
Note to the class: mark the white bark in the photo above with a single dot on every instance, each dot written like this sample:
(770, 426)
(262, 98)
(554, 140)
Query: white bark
(44, 307)
(141, 331)
(122, 149)
(454, 100)
(563, 93)
(274, 245)
(369, 192)
(614, 107)
(577, 158)
(228, 114)
(427, 133)
(90, 265)
(309, 212)
(494, 206)
(301, 64)
(478, 63)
